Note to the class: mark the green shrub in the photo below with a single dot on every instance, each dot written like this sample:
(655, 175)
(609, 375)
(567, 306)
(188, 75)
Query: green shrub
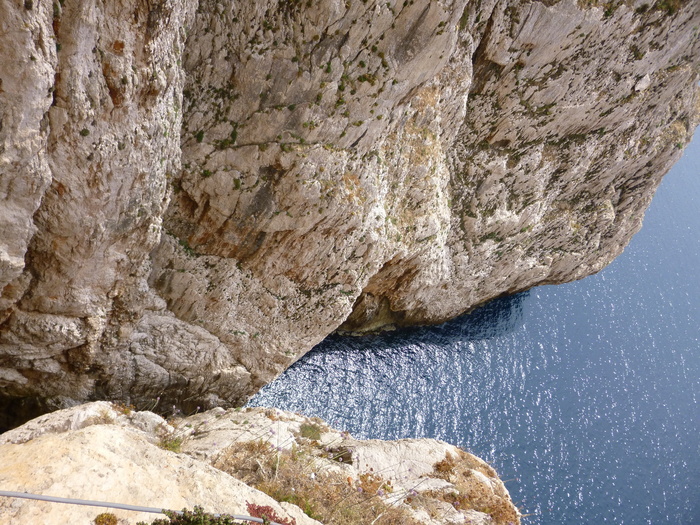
(310, 431)
(173, 444)
(197, 516)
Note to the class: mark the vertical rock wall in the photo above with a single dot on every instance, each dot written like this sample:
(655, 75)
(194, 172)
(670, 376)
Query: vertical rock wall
(192, 195)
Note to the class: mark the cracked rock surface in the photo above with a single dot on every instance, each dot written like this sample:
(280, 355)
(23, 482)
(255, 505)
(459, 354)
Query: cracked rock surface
(194, 194)
(225, 460)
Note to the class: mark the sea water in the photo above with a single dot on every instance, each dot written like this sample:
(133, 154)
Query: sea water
(584, 396)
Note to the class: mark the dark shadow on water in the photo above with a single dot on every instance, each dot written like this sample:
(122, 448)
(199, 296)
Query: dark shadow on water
(496, 318)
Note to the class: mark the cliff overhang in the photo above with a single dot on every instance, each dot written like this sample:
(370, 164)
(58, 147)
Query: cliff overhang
(195, 194)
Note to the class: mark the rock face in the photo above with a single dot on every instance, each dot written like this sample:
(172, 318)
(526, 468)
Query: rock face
(107, 453)
(192, 195)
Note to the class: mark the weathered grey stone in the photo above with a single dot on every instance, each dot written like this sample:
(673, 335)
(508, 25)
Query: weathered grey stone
(193, 194)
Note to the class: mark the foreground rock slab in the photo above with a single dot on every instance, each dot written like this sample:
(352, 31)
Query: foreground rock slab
(107, 457)
(105, 452)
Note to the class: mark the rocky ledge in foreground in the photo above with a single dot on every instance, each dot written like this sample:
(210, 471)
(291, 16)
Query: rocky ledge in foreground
(228, 461)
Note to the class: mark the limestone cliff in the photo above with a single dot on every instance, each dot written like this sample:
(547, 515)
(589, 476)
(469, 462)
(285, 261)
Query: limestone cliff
(219, 459)
(192, 195)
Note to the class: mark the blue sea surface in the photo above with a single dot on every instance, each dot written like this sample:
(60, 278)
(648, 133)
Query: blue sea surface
(584, 396)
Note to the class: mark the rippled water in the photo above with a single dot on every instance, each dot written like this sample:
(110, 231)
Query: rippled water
(584, 396)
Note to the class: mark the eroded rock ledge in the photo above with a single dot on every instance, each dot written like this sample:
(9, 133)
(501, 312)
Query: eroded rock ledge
(225, 460)
(193, 194)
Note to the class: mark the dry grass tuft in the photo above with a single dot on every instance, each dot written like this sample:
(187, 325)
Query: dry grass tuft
(293, 476)
(472, 490)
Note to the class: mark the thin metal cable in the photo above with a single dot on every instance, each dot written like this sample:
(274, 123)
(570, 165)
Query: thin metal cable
(121, 506)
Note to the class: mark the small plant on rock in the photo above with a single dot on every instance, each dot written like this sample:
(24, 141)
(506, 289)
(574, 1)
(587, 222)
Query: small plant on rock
(267, 514)
(197, 516)
(310, 431)
(106, 518)
(171, 443)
